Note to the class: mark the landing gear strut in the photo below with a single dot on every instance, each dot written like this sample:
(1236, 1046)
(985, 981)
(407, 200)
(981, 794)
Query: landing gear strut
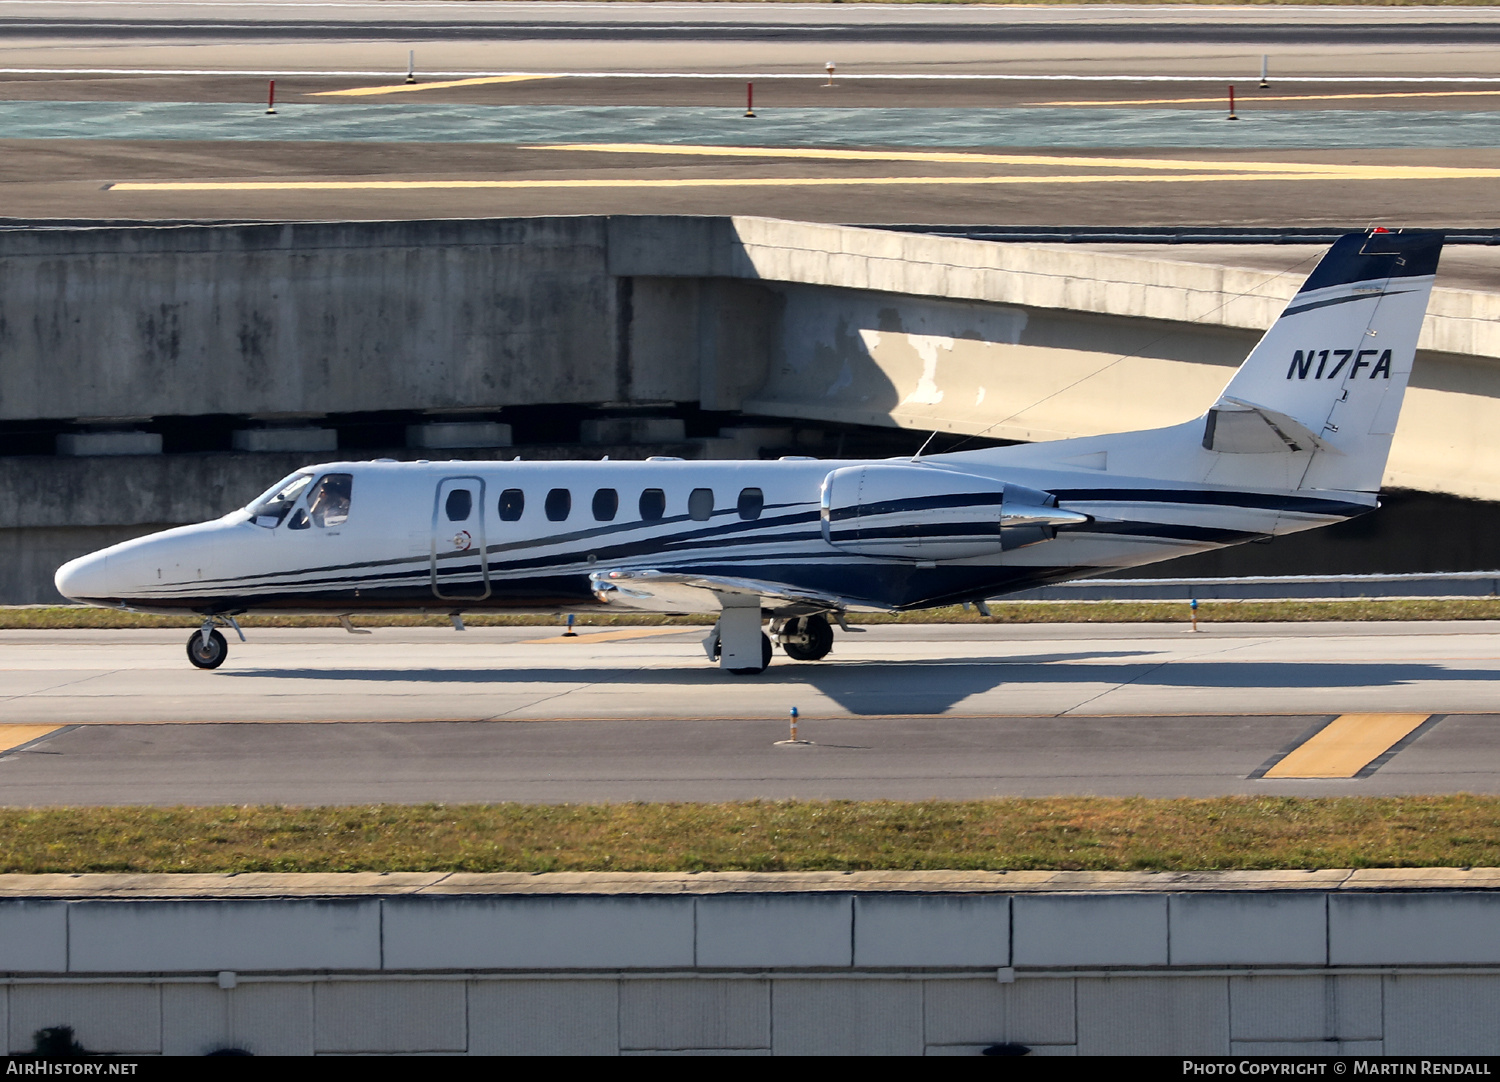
(716, 651)
(737, 642)
(206, 647)
(805, 638)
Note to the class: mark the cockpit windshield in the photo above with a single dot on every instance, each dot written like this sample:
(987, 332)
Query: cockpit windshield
(271, 507)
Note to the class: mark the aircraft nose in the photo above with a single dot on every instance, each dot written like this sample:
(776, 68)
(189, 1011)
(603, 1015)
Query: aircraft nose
(84, 578)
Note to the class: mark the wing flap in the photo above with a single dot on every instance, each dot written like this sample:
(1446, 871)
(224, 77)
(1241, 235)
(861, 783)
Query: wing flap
(650, 590)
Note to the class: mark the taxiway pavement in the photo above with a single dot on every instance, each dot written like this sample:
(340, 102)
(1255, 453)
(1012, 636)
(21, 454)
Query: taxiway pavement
(313, 717)
(146, 93)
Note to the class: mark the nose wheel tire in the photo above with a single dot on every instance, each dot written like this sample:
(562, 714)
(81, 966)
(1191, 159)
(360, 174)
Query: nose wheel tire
(210, 655)
(818, 638)
(766, 650)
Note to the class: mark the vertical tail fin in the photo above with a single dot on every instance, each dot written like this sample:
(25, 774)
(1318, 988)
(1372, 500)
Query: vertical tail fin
(1330, 374)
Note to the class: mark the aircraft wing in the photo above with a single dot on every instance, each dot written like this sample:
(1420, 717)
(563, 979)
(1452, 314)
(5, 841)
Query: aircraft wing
(650, 590)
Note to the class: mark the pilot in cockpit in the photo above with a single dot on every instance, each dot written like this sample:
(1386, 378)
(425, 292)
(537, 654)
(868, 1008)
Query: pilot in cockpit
(330, 504)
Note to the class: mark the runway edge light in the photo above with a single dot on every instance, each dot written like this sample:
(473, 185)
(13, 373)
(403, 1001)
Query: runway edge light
(793, 740)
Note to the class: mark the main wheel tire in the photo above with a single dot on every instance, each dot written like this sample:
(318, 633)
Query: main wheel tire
(819, 639)
(766, 650)
(210, 656)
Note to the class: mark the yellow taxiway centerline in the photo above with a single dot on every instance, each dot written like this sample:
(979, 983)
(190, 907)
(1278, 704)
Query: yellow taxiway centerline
(1346, 745)
(623, 633)
(1252, 97)
(410, 88)
(13, 736)
(1076, 161)
(749, 182)
(1310, 169)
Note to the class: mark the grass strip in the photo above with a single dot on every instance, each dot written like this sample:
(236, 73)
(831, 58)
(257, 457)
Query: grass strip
(1057, 833)
(1167, 3)
(67, 617)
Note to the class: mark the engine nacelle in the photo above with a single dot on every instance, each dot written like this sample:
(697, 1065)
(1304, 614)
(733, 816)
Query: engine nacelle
(922, 513)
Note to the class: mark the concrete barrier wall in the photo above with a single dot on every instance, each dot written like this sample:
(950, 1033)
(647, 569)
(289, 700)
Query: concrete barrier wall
(935, 963)
(306, 317)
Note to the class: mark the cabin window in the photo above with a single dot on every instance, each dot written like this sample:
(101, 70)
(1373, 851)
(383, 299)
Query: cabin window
(752, 502)
(458, 505)
(559, 504)
(512, 503)
(270, 510)
(606, 504)
(653, 504)
(701, 504)
(329, 505)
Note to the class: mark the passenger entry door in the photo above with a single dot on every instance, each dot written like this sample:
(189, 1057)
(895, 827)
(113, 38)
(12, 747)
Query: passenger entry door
(460, 569)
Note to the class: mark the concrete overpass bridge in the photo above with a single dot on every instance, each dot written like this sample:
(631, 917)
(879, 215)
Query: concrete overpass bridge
(153, 374)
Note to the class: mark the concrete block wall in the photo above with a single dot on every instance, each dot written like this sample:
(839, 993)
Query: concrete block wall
(870, 963)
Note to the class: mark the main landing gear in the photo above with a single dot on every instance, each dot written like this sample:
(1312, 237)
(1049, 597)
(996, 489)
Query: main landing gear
(738, 644)
(206, 647)
(804, 638)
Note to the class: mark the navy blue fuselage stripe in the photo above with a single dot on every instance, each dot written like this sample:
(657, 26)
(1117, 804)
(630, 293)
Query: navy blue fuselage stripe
(1315, 505)
(917, 503)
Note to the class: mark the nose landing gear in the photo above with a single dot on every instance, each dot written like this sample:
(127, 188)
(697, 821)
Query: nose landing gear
(206, 647)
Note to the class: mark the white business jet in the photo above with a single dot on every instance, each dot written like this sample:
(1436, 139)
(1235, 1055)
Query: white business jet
(1297, 440)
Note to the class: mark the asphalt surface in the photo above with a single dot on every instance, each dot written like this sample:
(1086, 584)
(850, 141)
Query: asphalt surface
(312, 716)
(290, 19)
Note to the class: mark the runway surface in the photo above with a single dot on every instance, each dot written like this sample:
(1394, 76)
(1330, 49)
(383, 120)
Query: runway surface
(150, 111)
(429, 122)
(308, 716)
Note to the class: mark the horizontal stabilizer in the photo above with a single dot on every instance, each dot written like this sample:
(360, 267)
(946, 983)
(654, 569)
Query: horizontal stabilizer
(1238, 427)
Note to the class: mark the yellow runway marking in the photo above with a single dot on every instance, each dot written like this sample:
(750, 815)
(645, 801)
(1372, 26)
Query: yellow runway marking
(13, 736)
(623, 633)
(1148, 171)
(409, 88)
(1251, 97)
(1346, 745)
